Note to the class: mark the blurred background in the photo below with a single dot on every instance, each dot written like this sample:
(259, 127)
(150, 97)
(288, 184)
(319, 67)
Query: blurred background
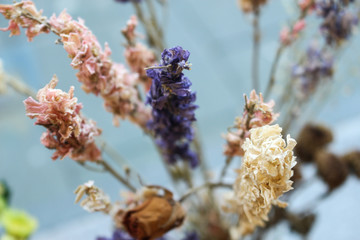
(218, 35)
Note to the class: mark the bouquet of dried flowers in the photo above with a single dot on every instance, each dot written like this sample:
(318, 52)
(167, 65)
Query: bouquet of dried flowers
(153, 92)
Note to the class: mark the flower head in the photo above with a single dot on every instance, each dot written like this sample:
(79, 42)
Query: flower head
(257, 113)
(263, 177)
(15, 13)
(317, 66)
(18, 223)
(95, 200)
(250, 5)
(173, 106)
(338, 22)
(67, 130)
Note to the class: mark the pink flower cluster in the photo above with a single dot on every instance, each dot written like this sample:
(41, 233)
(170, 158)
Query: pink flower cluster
(137, 55)
(68, 132)
(256, 114)
(15, 13)
(288, 36)
(306, 5)
(98, 74)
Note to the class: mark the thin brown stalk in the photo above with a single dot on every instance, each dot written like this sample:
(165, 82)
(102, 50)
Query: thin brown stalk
(205, 185)
(115, 174)
(256, 50)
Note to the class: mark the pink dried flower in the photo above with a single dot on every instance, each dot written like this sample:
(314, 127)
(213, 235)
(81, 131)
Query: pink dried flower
(306, 4)
(98, 74)
(137, 55)
(15, 13)
(288, 36)
(257, 113)
(67, 130)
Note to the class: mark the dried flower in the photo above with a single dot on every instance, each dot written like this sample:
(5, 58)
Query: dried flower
(137, 55)
(338, 23)
(331, 169)
(250, 5)
(173, 106)
(67, 130)
(306, 4)
(301, 223)
(352, 159)
(98, 74)
(15, 13)
(18, 223)
(288, 36)
(256, 114)
(95, 201)
(317, 66)
(154, 217)
(312, 138)
(264, 176)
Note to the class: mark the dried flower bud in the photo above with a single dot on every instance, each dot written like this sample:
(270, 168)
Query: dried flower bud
(250, 5)
(96, 200)
(301, 223)
(312, 138)
(352, 159)
(333, 171)
(154, 217)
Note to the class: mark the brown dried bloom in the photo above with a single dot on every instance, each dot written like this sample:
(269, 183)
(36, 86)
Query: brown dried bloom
(250, 5)
(257, 113)
(352, 159)
(95, 201)
(331, 169)
(154, 217)
(263, 177)
(312, 138)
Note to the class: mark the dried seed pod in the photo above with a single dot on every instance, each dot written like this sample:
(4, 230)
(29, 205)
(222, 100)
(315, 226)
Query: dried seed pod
(301, 223)
(331, 169)
(352, 159)
(297, 176)
(250, 5)
(311, 139)
(154, 217)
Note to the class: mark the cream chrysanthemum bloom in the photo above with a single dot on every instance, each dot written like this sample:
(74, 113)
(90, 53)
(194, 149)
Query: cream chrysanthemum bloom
(263, 177)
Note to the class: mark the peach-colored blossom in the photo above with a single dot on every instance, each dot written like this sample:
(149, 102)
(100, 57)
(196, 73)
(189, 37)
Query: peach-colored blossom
(68, 132)
(15, 13)
(98, 74)
(257, 113)
(288, 36)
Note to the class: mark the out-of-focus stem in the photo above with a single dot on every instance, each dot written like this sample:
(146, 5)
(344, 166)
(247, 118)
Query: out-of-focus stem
(256, 50)
(153, 37)
(19, 86)
(205, 185)
(225, 168)
(115, 174)
(274, 67)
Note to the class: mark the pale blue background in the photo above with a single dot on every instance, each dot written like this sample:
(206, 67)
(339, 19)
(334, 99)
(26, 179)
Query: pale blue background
(219, 39)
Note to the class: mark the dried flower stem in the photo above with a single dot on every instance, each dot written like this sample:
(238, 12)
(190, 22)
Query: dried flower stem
(228, 161)
(279, 52)
(19, 86)
(205, 185)
(256, 49)
(112, 171)
(154, 39)
(274, 67)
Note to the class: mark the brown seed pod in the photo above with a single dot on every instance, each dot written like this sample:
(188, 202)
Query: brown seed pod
(154, 217)
(301, 223)
(352, 159)
(311, 139)
(331, 169)
(250, 5)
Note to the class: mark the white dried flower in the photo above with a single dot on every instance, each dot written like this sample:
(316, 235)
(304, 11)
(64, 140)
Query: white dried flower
(95, 201)
(264, 176)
